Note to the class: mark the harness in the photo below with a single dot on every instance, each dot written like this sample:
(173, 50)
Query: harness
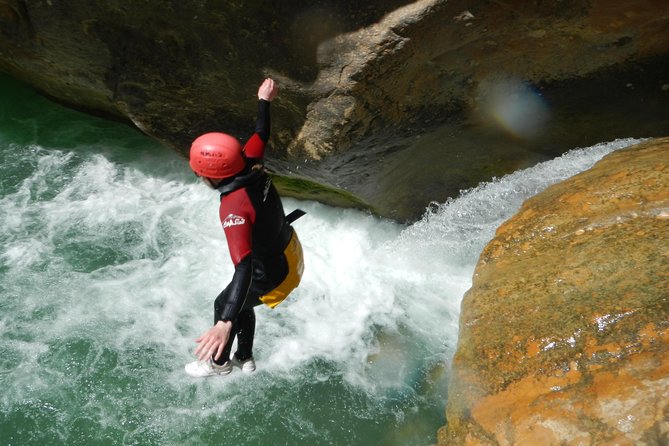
(247, 179)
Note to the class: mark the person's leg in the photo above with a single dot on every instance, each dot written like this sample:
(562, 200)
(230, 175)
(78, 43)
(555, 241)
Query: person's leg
(218, 303)
(246, 327)
(225, 355)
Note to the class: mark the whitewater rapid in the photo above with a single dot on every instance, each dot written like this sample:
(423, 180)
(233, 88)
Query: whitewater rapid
(110, 267)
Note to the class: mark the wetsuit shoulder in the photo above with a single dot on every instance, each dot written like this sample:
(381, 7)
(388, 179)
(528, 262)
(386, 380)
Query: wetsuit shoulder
(238, 215)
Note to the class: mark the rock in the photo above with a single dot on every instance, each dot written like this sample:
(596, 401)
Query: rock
(564, 334)
(386, 101)
(464, 16)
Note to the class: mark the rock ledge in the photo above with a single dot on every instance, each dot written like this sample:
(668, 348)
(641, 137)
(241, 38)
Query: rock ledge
(564, 335)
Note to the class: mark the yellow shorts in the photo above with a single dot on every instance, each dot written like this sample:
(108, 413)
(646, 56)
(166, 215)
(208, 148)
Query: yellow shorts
(293, 253)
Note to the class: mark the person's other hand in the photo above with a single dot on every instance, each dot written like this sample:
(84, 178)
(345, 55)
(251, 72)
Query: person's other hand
(268, 90)
(212, 342)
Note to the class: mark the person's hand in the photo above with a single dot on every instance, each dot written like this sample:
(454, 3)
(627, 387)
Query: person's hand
(212, 342)
(268, 90)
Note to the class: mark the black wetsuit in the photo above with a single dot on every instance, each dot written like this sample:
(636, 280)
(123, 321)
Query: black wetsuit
(257, 232)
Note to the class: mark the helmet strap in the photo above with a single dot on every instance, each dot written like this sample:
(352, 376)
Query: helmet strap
(210, 182)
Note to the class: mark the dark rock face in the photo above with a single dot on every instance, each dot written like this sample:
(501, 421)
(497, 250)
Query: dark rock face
(400, 103)
(564, 334)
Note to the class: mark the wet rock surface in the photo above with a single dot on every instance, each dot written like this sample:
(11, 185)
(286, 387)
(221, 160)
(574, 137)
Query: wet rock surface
(564, 335)
(398, 103)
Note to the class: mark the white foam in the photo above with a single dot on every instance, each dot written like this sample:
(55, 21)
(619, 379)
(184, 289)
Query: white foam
(132, 257)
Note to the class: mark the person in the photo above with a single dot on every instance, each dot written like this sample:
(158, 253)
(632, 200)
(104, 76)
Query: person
(264, 247)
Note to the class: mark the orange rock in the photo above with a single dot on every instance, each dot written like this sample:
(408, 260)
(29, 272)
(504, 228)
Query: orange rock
(571, 346)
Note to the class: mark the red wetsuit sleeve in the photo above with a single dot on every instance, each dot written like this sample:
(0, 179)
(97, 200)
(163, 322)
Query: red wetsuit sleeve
(255, 147)
(237, 217)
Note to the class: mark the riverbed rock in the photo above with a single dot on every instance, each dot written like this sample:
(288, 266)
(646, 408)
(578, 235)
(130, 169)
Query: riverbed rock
(398, 102)
(564, 334)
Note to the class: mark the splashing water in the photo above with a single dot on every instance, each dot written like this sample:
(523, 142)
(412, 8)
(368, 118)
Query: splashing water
(111, 255)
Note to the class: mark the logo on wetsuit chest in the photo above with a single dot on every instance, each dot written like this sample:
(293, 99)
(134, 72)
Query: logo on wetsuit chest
(233, 220)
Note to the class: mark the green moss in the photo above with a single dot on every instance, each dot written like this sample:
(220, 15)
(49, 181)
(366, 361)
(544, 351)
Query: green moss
(304, 189)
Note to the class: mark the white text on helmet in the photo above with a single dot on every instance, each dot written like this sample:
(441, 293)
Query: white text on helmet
(208, 153)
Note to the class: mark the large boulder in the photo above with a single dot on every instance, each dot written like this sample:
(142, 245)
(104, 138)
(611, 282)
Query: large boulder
(399, 103)
(564, 334)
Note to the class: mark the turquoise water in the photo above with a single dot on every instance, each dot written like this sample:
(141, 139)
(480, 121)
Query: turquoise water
(111, 254)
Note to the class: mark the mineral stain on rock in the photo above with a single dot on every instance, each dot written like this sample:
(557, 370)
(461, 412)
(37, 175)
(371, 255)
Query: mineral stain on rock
(564, 335)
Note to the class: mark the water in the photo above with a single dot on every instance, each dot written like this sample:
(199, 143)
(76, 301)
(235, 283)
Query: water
(111, 254)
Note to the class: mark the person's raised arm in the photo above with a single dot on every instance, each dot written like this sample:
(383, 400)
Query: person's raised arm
(255, 147)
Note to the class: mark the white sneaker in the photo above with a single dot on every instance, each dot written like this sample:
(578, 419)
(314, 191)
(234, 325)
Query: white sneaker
(202, 369)
(247, 366)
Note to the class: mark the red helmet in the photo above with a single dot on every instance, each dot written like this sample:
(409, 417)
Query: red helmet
(216, 155)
